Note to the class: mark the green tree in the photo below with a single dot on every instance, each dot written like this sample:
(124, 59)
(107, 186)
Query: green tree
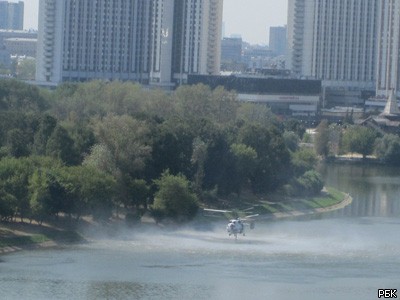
(226, 105)
(174, 199)
(293, 125)
(83, 138)
(159, 105)
(194, 102)
(291, 140)
(199, 157)
(8, 205)
(139, 192)
(273, 159)
(388, 149)
(18, 96)
(61, 146)
(40, 198)
(46, 126)
(101, 158)
(14, 181)
(303, 160)
(256, 114)
(127, 140)
(219, 166)
(359, 139)
(17, 143)
(26, 69)
(245, 163)
(172, 149)
(321, 142)
(91, 191)
(98, 190)
(309, 184)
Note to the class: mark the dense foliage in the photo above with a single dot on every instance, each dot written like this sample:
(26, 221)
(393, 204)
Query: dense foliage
(174, 199)
(360, 140)
(92, 147)
(388, 149)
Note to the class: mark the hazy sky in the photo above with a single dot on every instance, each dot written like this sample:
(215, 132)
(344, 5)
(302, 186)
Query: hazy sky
(249, 18)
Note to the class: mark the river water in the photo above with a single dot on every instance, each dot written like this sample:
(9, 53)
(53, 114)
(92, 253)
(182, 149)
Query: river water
(348, 254)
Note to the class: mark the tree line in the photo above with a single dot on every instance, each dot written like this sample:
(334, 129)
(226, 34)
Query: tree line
(94, 148)
(332, 140)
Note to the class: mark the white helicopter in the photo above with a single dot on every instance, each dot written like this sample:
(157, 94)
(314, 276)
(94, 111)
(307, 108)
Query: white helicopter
(236, 226)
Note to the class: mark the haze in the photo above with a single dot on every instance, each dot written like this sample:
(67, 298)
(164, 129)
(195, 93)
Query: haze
(249, 18)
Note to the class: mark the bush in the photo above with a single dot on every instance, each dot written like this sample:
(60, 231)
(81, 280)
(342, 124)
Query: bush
(388, 149)
(8, 205)
(174, 199)
(310, 184)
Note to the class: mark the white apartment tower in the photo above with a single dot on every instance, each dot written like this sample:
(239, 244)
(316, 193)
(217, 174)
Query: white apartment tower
(388, 76)
(150, 41)
(334, 40)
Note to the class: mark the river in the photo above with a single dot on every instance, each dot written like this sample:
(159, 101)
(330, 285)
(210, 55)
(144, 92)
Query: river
(348, 254)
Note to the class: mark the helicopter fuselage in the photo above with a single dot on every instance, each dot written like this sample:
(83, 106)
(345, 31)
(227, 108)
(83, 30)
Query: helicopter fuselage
(235, 227)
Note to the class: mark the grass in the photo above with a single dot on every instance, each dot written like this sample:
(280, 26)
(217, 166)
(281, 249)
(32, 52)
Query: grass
(332, 197)
(248, 204)
(24, 234)
(18, 241)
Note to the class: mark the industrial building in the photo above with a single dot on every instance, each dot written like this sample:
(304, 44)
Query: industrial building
(286, 97)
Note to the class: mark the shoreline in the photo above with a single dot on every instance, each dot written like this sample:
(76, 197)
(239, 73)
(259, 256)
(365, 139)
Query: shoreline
(299, 213)
(44, 245)
(53, 243)
(20, 236)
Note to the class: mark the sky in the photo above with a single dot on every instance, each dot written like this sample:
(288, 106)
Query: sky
(250, 19)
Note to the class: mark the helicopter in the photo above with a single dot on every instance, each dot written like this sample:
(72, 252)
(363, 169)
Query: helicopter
(236, 226)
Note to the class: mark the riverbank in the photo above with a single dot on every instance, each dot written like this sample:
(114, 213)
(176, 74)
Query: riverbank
(16, 236)
(277, 206)
(347, 200)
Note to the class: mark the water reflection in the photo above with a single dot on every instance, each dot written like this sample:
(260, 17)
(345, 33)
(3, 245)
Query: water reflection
(129, 290)
(375, 189)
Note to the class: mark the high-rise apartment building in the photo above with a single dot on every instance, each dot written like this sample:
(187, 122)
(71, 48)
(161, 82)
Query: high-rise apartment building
(150, 41)
(277, 40)
(300, 35)
(388, 76)
(335, 41)
(231, 50)
(11, 15)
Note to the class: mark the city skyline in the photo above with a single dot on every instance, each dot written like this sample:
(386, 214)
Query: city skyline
(252, 23)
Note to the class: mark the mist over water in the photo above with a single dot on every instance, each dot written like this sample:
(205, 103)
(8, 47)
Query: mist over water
(321, 258)
(347, 255)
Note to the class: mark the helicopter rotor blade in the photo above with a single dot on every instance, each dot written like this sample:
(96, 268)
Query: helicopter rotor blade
(252, 216)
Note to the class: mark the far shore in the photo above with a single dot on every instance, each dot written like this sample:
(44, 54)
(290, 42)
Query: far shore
(297, 213)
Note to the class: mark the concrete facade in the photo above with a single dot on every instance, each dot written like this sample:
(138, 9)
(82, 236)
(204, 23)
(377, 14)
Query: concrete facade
(350, 45)
(277, 40)
(334, 41)
(389, 48)
(11, 15)
(157, 42)
(21, 46)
